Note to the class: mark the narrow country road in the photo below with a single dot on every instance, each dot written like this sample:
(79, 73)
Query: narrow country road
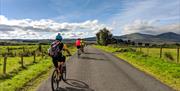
(97, 70)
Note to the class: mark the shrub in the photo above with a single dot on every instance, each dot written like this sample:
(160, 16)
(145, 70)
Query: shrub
(169, 56)
(126, 50)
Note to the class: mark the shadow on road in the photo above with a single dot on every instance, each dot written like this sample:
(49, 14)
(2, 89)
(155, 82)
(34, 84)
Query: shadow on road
(90, 58)
(74, 89)
(75, 85)
(93, 53)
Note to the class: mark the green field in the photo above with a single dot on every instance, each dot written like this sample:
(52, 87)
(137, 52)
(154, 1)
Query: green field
(16, 76)
(13, 62)
(166, 71)
(155, 52)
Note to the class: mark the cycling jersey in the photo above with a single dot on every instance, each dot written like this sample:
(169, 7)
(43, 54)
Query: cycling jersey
(78, 42)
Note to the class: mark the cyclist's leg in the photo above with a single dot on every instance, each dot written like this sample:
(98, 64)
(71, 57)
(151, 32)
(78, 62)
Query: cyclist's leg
(55, 62)
(78, 48)
(62, 61)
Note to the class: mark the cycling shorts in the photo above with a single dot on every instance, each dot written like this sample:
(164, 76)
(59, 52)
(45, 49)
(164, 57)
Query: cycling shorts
(78, 47)
(58, 59)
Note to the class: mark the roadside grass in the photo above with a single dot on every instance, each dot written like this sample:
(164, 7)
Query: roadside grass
(25, 76)
(164, 70)
(13, 63)
(34, 84)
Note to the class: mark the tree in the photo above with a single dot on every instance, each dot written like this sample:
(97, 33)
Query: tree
(104, 37)
(98, 37)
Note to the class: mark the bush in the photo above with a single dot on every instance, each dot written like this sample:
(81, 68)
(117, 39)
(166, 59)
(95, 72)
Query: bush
(126, 50)
(169, 56)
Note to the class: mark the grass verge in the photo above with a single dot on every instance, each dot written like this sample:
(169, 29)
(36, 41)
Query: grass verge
(25, 76)
(35, 83)
(163, 70)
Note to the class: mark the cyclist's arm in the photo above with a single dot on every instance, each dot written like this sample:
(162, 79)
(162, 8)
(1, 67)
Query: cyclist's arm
(66, 49)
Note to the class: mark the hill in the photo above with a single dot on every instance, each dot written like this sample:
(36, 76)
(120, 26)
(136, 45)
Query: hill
(168, 37)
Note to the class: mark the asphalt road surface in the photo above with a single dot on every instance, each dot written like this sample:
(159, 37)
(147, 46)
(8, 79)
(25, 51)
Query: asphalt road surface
(97, 70)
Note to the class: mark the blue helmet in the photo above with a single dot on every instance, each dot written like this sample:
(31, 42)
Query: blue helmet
(59, 37)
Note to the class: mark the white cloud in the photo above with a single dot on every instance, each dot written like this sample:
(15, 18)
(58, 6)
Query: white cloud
(165, 11)
(149, 27)
(33, 28)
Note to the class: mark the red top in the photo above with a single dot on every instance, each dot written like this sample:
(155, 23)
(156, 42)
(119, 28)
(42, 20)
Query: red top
(78, 42)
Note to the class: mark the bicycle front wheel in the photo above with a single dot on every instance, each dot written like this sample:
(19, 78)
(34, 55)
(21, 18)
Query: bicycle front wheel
(55, 80)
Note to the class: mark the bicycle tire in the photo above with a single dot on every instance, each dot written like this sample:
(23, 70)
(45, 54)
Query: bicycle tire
(54, 81)
(64, 73)
(78, 53)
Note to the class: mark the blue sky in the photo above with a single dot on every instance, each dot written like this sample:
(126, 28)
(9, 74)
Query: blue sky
(78, 17)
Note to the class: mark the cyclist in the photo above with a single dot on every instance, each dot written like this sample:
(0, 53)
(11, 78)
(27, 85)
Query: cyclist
(55, 51)
(78, 43)
(82, 45)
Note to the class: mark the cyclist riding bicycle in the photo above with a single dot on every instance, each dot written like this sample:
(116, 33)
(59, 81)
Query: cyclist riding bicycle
(78, 43)
(82, 45)
(55, 51)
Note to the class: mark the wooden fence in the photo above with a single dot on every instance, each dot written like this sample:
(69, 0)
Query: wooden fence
(161, 51)
(21, 55)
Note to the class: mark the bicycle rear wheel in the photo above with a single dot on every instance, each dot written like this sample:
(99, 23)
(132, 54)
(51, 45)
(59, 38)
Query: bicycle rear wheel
(55, 81)
(78, 53)
(64, 73)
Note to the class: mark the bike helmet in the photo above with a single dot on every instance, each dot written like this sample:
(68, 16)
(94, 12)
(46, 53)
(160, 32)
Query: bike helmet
(59, 37)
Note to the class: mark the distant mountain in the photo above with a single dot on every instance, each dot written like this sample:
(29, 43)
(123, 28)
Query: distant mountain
(90, 39)
(168, 37)
(136, 37)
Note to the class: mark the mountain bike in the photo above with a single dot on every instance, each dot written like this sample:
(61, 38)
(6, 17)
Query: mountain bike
(58, 76)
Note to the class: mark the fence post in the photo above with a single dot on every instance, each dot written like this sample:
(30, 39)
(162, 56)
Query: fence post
(4, 67)
(42, 55)
(178, 55)
(34, 56)
(22, 61)
(161, 52)
(23, 49)
(148, 50)
(140, 49)
(8, 49)
(15, 53)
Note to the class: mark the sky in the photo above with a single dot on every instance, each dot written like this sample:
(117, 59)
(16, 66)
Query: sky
(43, 19)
